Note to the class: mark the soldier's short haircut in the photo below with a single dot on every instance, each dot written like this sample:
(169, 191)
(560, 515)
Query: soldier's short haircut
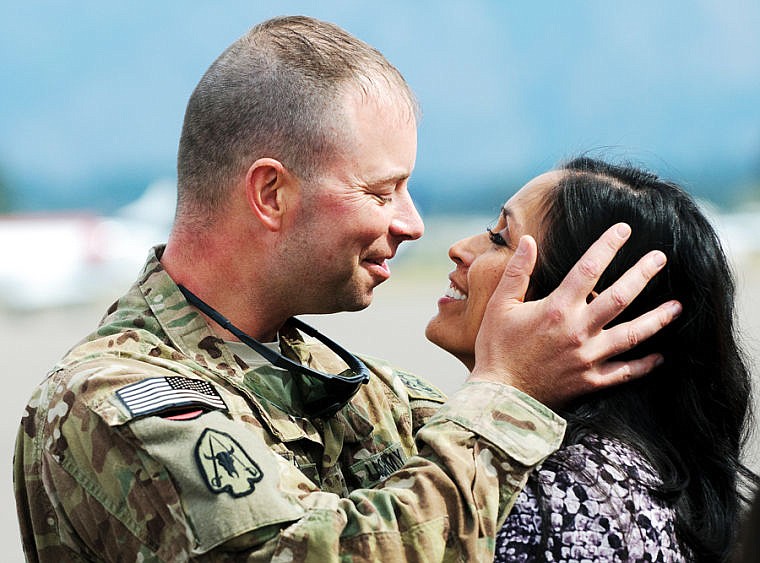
(277, 92)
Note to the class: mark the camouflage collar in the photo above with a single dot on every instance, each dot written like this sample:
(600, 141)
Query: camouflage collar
(186, 330)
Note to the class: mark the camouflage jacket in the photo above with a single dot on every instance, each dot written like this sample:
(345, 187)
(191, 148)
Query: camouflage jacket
(105, 469)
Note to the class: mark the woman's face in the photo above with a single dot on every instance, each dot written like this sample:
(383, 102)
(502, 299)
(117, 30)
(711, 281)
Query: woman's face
(480, 261)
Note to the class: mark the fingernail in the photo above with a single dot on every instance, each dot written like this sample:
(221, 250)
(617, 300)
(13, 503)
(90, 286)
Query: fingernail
(659, 361)
(522, 247)
(659, 258)
(675, 309)
(623, 230)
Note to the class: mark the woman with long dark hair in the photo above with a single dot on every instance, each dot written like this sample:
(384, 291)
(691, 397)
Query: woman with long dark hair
(650, 470)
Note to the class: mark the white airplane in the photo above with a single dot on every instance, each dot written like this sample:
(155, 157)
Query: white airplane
(57, 259)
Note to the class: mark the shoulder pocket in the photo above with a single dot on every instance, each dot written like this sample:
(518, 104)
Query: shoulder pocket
(229, 480)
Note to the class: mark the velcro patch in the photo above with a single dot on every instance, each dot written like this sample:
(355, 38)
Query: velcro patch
(419, 388)
(225, 466)
(158, 394)
(368, 472)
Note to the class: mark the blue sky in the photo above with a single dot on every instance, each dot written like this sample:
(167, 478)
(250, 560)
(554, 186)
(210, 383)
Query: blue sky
(93, 93)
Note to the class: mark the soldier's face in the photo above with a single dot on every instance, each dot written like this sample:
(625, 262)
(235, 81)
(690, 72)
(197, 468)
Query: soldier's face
(480, 261)
(354, 217)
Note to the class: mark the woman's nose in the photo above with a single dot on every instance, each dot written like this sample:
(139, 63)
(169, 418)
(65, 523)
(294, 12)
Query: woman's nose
(464, 251)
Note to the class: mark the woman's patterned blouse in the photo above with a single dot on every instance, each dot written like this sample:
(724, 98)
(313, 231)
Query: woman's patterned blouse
(591, 501)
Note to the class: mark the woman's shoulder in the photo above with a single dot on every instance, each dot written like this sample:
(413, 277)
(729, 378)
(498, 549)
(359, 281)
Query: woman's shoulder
(595, 499)
(604, 463)
(606, 494)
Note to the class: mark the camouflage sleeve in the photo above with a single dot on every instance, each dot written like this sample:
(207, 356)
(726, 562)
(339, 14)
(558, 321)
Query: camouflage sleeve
(424, 398)
(448, 502)
(211, 488)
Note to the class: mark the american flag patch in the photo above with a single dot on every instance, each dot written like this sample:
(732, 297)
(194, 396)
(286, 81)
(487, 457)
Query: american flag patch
(164, 393)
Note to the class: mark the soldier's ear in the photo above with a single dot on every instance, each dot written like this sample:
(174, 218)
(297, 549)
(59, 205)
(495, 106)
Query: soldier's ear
(269, 186)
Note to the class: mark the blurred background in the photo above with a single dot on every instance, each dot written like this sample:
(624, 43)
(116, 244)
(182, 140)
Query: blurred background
(92, 97)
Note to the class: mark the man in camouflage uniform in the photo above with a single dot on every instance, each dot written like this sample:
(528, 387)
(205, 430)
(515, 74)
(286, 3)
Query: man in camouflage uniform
(162, 437)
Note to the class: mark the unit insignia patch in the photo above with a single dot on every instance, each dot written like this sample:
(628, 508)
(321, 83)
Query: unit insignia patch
(225, 465)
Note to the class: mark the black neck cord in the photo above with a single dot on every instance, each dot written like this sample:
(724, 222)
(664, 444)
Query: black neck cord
(357, 373)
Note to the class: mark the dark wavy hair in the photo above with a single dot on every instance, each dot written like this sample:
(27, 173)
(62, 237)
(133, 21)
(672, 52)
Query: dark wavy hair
(689, 418)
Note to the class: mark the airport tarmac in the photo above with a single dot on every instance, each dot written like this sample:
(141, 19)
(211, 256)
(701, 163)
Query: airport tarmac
(392, 328)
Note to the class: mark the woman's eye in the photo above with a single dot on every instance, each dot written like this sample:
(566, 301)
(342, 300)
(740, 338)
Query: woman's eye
(496, 238)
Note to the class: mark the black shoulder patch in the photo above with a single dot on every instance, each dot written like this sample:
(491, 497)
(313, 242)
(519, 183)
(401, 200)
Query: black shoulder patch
(224, 464)
(420, 389)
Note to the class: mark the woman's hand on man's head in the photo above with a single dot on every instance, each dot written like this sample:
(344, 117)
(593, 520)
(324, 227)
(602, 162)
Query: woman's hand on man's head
(556, 348)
